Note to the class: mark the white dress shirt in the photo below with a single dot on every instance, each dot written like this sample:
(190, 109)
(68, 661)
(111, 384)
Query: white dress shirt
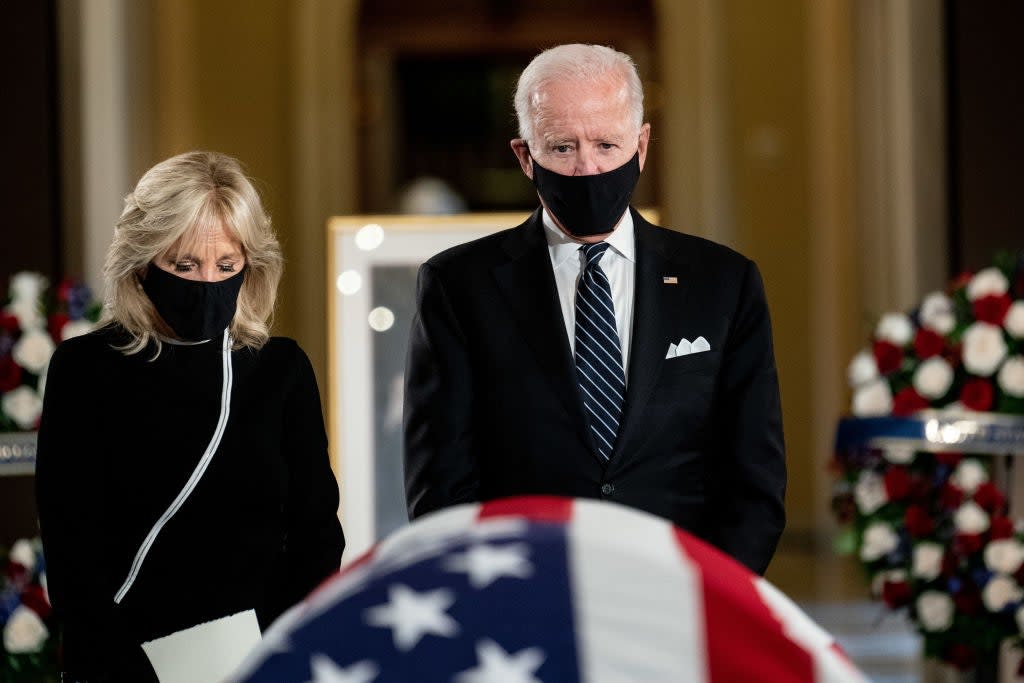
(618, 264)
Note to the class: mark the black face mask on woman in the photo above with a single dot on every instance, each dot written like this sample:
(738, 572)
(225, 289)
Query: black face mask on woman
(588, 205)
(194, 309)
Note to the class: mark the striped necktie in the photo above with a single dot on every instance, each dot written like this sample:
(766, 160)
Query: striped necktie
(598, 354)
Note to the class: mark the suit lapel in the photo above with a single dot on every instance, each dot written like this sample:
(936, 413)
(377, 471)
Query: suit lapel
(528, 285)
(654, 301)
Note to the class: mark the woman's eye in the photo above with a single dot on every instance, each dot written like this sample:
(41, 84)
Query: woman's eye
(183, 266)
(226, 267)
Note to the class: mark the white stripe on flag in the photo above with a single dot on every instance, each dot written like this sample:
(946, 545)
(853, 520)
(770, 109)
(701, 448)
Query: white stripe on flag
(632, 585)
(829, 667)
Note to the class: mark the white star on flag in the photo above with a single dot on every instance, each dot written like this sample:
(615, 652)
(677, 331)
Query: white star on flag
(325, 670)
(411, 615)
(498, 666)
(487, 563)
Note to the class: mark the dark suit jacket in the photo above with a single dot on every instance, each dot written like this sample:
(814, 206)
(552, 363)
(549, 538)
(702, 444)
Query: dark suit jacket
(493, 408)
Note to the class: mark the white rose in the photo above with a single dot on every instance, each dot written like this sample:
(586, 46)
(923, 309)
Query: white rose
(989, 281)
(933, 378)
(896, 328)
(863, 368)
(954, 407)
(936, 313)
(25, 632)
(29, 315)
(1014, 320)
(873, 399)
(879, 540)
(22, 405)
(869, 492)
(984, 348)
(927, 561)
(1004, 555)
(899, 455)
(33, 351)
(1011, 376)
(879, 580)
(969, 475)
(27, 286)
(75, 328)
(999, 592)
(969, 518)
(935, 611)
(24, 554)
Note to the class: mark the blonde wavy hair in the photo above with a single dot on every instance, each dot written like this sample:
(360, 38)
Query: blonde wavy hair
(173, 204)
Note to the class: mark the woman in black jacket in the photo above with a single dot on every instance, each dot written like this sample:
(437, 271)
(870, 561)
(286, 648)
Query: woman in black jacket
(182, 469)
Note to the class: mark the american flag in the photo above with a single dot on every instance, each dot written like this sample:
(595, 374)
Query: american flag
(552, 590)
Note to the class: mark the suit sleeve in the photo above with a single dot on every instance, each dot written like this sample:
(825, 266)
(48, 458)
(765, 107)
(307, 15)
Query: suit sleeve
(314, 540)
(440, 466)
(750, 509)
(69, 491)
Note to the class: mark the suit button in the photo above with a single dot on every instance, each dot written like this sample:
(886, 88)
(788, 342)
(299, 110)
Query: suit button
(607, 489)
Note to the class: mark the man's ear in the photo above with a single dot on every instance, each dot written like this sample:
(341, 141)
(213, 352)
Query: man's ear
(641, 146)
(522, 152)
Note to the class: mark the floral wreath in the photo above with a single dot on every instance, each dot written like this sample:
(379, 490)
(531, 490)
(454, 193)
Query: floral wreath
(930, 528)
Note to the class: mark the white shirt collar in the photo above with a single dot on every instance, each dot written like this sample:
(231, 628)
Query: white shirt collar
(563, 247)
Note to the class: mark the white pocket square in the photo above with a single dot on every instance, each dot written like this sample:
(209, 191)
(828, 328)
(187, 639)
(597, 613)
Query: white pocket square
(685, 347)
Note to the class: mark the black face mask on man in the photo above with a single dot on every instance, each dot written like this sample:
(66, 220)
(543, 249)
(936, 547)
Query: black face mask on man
(588, 205)
(194, 309)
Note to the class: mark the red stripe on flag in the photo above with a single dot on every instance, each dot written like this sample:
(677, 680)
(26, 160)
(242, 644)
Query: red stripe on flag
(745, 640)
(536, 508)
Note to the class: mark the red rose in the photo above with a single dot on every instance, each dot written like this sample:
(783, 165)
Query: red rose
(990, 498)
(919, 523)
(961, 656)
(1018, 287)
(951, 459)
(907, 401)
(951, 565)
(961, 280)
(56, 324)
(888, 357)
(35, 599)
(950, 497)
(16, 572)
(928, 343)
(992, 308)
(977, 394)
(896, 593)
(8, 322)
(10, 374)
(64, 290)
(1000, 527)
(967, 544)
(967, 599)
(897, 483)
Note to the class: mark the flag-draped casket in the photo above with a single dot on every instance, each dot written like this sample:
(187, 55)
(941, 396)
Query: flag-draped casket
(546, 589)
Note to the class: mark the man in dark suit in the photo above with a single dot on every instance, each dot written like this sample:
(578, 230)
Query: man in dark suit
(589, 353)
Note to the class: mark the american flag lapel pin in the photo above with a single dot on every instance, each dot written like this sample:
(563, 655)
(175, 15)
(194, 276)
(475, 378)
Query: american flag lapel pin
(670, 280)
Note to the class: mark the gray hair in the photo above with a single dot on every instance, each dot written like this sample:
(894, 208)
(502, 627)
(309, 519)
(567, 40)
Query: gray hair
(177, 200)
(580, 63)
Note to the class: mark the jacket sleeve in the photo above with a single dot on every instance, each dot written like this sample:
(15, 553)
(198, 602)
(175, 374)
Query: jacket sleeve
(752, 466)
(440, 466)
(314, 540)
(69, 491)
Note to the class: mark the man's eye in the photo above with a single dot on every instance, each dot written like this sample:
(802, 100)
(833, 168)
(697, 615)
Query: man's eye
(607, 145)
(562, 149)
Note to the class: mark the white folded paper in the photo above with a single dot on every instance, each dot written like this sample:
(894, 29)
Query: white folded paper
(207, 653)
